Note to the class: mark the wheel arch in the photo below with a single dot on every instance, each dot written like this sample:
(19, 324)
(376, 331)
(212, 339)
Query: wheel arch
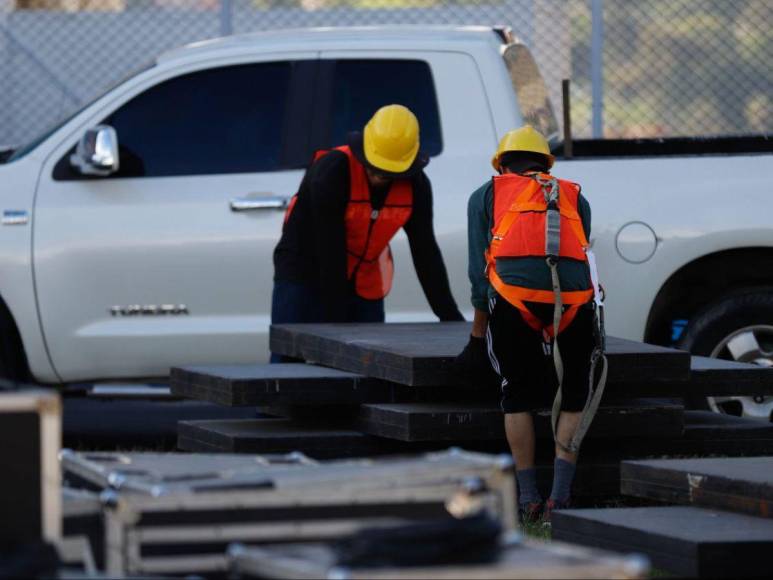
(13, 356)
(704, 280)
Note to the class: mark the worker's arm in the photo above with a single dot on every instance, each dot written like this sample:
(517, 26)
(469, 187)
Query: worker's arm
(427, 259)
(478, 240)
(473, 363)
(479, 324)
(329, 192)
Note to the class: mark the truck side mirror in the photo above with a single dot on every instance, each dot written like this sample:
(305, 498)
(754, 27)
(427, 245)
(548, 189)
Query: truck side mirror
(97, 152)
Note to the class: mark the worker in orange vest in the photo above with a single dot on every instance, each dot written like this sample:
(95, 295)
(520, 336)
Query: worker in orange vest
(333, 262)
(533, 277)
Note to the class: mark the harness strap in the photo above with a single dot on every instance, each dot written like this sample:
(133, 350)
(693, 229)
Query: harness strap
(566, 319)
(557, 360)
(517, 296)
(552, 247)
(553, 219)
(597, 300)
(594, 394)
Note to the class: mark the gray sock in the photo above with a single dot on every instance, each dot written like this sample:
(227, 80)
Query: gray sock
(527, 486)
(563, 475)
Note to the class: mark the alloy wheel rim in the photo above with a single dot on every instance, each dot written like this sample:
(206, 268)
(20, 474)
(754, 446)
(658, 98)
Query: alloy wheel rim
(751, 344)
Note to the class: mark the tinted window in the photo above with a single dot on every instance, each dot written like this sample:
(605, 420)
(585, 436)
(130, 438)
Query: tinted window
(225, 120)
(360, 87)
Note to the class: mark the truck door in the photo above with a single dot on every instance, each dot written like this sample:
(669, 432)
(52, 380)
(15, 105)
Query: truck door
(444, 90)
(169, 260)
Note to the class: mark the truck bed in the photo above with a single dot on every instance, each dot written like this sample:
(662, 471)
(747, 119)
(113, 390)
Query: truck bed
(667, 147)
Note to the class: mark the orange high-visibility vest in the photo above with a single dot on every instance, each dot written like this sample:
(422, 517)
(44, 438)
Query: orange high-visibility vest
(369, 231)
(520, 215)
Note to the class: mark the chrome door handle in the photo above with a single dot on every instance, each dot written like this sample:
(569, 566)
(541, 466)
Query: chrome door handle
(253, 203)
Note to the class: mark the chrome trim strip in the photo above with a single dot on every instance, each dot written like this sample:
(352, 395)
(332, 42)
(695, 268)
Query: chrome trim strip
(253, 203)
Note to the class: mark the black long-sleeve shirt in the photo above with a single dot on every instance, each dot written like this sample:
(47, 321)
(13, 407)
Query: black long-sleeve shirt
(312, 249)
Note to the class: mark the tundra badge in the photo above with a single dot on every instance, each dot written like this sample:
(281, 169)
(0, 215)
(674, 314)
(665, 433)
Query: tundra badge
(15, 217)
(148, 310)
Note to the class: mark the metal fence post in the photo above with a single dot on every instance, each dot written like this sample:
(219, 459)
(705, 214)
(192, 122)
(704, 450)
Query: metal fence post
(5, 76)
(226, 17)
(597, 66)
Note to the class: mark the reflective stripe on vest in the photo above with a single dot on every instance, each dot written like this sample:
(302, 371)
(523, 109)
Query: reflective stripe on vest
(520, 215)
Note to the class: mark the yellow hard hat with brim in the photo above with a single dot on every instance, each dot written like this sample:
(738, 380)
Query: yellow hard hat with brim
(527, 139)
(391, 139)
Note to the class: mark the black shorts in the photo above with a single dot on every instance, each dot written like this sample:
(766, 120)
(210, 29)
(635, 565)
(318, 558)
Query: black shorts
(527, 371)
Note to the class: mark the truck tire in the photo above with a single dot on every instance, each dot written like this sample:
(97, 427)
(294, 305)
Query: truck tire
(736, 327)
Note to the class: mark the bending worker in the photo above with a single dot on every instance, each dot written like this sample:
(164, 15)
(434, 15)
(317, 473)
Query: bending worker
(333, 262)
(526, 226)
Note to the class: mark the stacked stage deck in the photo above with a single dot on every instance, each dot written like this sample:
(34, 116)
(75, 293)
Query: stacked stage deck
(722, 526)
(388, 388)
(420, 354)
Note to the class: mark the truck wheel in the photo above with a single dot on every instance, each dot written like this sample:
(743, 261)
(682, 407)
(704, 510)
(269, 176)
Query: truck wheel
(740, 328)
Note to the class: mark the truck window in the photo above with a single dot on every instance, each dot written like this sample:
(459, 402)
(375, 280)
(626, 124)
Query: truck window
(531, 91)
(360, 87)
(31, 145)
(221, 120)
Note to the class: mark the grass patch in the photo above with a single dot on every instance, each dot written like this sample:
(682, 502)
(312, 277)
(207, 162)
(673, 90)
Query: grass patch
(537, 531)
(659, 573)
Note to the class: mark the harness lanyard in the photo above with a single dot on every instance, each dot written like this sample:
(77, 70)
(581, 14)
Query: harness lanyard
(552, 247)
(594, 395)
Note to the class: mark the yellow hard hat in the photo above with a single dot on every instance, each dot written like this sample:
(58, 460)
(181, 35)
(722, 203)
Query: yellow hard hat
(527, 138)
(391, 139)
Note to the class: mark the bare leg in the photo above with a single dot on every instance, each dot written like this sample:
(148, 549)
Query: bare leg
(519, 428)
(567, 427)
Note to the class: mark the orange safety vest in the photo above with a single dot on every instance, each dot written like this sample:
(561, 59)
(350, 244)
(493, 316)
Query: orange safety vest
(369, 231)
(520, 216)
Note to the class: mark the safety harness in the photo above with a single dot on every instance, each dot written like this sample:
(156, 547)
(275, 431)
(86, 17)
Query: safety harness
(553, 207)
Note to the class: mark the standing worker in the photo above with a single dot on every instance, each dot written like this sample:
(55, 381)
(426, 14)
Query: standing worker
(532, 271)
(333, 262)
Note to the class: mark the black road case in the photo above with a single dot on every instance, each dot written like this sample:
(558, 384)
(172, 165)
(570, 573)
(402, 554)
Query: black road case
(30, 498)
(184, 526)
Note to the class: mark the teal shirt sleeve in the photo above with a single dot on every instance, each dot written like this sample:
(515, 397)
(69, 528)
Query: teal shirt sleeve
(478, 240)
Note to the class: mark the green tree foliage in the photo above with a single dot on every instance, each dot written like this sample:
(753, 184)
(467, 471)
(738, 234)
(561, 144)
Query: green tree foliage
(688, 67)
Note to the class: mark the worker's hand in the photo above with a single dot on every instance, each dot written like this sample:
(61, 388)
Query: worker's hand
(473, 365)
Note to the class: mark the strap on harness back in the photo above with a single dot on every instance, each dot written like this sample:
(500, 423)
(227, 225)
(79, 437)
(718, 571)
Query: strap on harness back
(553, 221)
(550, 190)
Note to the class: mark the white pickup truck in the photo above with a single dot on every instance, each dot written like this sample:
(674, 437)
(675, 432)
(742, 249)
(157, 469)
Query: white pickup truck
(138, 233)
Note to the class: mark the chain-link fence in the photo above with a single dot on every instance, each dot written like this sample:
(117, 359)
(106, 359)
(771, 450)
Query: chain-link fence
(639, 69)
